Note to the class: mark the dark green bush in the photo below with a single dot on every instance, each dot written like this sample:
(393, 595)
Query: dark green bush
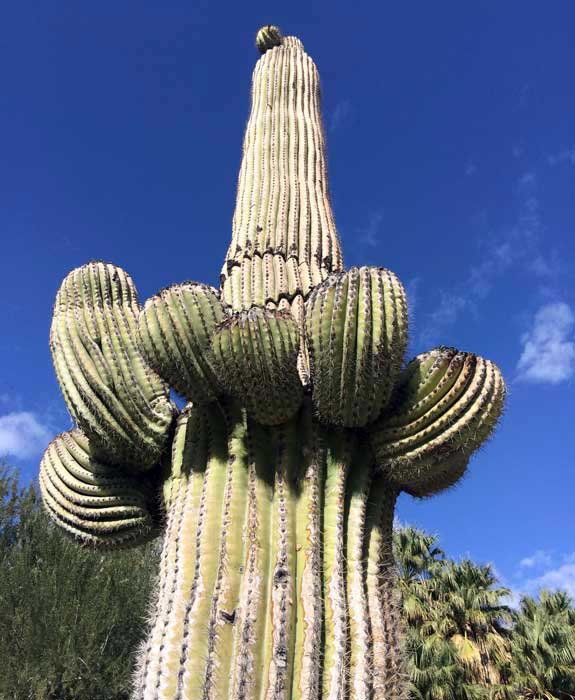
(70, 618)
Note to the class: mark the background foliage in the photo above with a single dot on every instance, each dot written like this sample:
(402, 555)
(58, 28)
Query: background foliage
(71, 619)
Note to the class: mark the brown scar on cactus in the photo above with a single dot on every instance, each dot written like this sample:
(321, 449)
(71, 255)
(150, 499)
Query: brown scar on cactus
(303, 425)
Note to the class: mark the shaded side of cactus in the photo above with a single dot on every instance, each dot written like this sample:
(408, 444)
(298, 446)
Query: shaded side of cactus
(278, 481)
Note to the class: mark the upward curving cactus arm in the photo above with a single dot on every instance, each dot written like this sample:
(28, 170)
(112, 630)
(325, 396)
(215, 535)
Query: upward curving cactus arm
(277, 579)
(356, 325)
(113, 395)
(448, 403)
(93, 501)
(175, 330)
(89, 476)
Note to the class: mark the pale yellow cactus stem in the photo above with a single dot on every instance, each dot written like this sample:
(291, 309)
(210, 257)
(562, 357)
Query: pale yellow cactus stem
(284, 240)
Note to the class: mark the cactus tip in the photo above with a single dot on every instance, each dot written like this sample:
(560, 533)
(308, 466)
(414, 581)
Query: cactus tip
(268, 37)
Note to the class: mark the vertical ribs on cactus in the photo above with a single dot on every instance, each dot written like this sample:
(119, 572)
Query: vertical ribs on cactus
(277, 483)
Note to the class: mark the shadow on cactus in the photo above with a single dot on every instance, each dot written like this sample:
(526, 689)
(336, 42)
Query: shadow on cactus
(278, 480)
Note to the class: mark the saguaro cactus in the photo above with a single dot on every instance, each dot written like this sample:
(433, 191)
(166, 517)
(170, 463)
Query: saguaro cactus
(275, 486)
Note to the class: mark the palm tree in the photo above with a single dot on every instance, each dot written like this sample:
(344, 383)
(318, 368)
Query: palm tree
(457, 628)
(431, 661)
(543, 647)
(470, 614)
(418, 558)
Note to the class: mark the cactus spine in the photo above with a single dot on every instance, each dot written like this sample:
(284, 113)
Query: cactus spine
(276, 485)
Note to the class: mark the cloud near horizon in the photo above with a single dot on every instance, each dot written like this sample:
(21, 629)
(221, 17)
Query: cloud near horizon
(548, 354)
(23, 435)
(542, 570)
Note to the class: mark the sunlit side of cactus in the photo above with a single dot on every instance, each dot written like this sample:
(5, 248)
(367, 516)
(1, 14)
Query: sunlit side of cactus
(276, 485)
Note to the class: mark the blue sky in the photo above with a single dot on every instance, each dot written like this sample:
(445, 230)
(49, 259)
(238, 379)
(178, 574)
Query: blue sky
(451, 137)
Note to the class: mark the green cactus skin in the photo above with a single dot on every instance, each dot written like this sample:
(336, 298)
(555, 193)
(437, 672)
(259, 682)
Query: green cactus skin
(255, 353)
(448, 404)
(277, 579)
(356, 322)
(110, 391)
(91, 500)
(284, 240)
(264, 581)
(175, 330)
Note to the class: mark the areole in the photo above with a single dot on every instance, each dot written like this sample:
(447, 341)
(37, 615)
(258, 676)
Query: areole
(275, 487)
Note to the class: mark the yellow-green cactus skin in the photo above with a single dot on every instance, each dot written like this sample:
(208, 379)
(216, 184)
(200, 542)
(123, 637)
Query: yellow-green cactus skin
(275, 487)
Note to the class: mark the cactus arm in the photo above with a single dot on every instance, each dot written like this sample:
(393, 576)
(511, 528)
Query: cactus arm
(447, 405)
(91, 500)
(175, 329)
(255, 353)
(121, 405)
(356, 333)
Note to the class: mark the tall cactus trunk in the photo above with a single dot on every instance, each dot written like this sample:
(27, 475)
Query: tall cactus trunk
(276, 574)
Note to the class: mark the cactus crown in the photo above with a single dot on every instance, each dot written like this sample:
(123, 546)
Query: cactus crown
(268, 37)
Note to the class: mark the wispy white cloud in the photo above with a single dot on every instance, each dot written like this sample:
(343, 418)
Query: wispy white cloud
(541, 570)
(548, 354)
(23, 435)
(539, 558)
(527, 181)
(516, 247)
(558, 577)
(564, 156)
(444, 315)
(562, 578)
(340, 115)
(369, 234)
(470, 168)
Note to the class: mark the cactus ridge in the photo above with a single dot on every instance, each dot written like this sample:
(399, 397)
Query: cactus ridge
(356, 331)
(384, 604)
(449, 403)
(175, 329)
(91, 500)
(119, 402)
(255, 353)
